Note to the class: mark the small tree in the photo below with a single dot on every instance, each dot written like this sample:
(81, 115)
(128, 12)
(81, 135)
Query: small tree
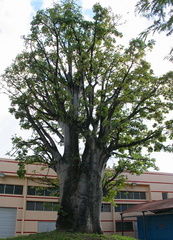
(87, 100)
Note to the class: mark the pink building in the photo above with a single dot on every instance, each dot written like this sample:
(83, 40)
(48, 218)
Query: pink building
(25, 210)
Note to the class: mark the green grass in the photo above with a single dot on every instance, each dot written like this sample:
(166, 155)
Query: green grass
(54, 235)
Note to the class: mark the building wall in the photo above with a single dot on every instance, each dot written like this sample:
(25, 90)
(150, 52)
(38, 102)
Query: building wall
(153, 184)
(26, 221)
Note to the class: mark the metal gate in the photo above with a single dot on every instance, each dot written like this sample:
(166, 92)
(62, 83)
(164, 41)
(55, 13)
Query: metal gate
(158, 227)
(7, 222)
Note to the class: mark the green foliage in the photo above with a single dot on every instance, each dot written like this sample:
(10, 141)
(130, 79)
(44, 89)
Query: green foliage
(112, 183)
(160, 11)
(69, 236)
(72, 77)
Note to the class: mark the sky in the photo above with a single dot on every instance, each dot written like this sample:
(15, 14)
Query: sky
(15, 18)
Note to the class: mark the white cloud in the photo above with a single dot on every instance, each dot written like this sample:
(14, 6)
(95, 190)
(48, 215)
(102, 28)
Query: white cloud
(15, 17)
(48, 4)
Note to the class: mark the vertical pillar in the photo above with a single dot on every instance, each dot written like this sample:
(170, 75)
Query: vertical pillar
(113, 217)
(24, 205)
(122, 224)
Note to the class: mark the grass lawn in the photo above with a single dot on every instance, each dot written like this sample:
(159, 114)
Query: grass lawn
(54, 235)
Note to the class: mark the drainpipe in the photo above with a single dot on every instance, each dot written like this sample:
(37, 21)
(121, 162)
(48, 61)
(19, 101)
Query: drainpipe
(122, 224)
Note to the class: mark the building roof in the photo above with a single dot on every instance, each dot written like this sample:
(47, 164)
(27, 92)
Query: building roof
(155, 207)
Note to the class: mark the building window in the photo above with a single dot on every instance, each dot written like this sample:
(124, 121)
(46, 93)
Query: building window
(42, 191)
(130, 195)
(41, 206)
(30, 205)
(1, 188)
(123, 207)
(11, 189)
(18, 189)
(164, 195)
(31, 190)
(106, 207)
(127, 226)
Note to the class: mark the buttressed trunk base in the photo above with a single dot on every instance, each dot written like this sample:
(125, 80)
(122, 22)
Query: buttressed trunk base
(81, 203)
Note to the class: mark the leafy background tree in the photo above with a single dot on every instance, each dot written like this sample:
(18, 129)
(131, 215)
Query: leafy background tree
(86, 99)
(161, 13)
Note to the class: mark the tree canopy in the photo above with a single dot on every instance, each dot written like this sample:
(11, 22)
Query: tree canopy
(86, 100)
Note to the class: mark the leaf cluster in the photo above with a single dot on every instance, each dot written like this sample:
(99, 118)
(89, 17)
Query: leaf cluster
(160, 11)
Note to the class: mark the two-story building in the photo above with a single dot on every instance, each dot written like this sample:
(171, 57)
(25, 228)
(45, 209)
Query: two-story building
(26, 209)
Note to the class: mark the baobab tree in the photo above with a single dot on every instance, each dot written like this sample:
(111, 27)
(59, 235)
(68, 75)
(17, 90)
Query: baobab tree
(86, 100)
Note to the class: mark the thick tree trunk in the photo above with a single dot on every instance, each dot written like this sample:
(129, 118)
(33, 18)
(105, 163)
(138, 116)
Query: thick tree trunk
(81, 205)
(81, 193)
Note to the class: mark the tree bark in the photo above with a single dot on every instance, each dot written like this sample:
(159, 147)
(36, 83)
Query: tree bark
(81, 192)
(80, 209)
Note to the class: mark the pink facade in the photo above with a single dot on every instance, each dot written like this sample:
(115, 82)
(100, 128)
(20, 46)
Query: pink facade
(19, 198)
